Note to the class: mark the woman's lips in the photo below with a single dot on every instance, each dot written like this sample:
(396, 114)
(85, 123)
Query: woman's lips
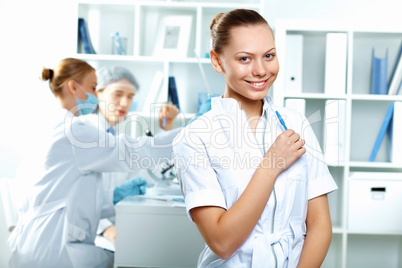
(121, 112)
(258, 85)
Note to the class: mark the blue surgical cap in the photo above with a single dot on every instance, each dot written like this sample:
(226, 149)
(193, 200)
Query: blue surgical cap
(110, 74)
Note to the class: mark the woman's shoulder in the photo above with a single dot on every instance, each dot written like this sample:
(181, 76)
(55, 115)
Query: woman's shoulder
(199, 129)
(81, 128)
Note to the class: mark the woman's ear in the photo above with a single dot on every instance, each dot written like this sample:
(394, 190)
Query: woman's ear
(72, 87)
(216, 64)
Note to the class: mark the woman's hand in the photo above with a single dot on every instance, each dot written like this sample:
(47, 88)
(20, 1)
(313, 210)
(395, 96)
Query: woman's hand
(110, 233)
(287, 148)
(167, 115)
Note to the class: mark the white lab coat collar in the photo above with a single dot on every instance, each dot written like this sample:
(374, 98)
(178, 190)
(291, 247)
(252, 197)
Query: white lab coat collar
(230, 104)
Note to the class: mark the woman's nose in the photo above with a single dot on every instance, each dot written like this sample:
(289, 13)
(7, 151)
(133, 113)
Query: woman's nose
(124, 101)
(259, 69)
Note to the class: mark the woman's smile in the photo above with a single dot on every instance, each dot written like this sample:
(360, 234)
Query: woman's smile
(258, 85)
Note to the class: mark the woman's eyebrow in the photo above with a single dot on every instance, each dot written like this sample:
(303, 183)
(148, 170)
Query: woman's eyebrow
(249, 53)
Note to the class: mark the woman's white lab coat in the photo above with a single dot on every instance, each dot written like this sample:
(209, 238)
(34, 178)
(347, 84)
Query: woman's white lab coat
(58, 221)
(217, 155)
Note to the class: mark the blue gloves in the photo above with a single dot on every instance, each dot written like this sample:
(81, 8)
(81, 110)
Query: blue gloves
(136, 186)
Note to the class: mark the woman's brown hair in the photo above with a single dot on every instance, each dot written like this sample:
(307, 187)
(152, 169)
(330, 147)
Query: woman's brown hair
(67, 69)
(224, 22)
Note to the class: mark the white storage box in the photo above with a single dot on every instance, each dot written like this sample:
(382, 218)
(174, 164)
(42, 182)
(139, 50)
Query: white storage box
(375, 202)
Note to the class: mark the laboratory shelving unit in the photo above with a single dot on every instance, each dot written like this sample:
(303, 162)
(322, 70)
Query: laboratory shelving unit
(138, 21)
(364, 115)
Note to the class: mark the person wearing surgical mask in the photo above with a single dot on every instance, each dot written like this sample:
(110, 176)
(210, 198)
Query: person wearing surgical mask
(116, 90)
(65, 198)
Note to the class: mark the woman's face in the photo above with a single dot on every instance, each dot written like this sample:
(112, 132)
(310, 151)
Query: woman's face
(115, 100)
(88, 84)
(249, 62)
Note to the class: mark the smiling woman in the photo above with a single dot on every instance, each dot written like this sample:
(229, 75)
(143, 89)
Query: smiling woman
(253, 215)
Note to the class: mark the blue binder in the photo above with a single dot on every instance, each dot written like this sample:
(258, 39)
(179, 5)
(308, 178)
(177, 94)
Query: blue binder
(173, 92)
(384, 127)
(379, 73)
(83, 36)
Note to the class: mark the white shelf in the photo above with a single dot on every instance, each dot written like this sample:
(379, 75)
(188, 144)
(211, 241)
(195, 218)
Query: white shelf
(364, 115)
(376, 97)
(344, 97)
(108, 2)
(317, 96)
(384, 165)
(328, 25)
(188, 4)
(139, 59)
(358, 232)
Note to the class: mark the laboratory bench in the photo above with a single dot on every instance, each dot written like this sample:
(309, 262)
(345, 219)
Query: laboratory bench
(155, 233)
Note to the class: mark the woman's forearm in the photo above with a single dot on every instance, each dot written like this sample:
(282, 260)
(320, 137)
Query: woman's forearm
(319, 233)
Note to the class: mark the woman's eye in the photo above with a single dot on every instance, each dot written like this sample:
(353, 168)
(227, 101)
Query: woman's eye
(244, 59)
(269, 56)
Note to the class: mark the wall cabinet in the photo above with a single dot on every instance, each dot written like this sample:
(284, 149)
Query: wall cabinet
(364, 114)
(138, 23)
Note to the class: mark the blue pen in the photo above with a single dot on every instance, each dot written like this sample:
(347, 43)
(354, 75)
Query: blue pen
(164, 121)
(281, 120)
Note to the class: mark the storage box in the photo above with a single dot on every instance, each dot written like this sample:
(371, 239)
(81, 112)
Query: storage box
(375, 202)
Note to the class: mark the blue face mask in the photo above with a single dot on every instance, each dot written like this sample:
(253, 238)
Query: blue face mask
(87, 106)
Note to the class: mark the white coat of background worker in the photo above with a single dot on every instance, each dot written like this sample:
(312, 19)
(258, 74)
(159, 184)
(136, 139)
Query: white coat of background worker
(116, 90)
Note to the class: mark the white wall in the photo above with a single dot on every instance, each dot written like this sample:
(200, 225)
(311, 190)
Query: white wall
(36, 34)
(33, 34)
